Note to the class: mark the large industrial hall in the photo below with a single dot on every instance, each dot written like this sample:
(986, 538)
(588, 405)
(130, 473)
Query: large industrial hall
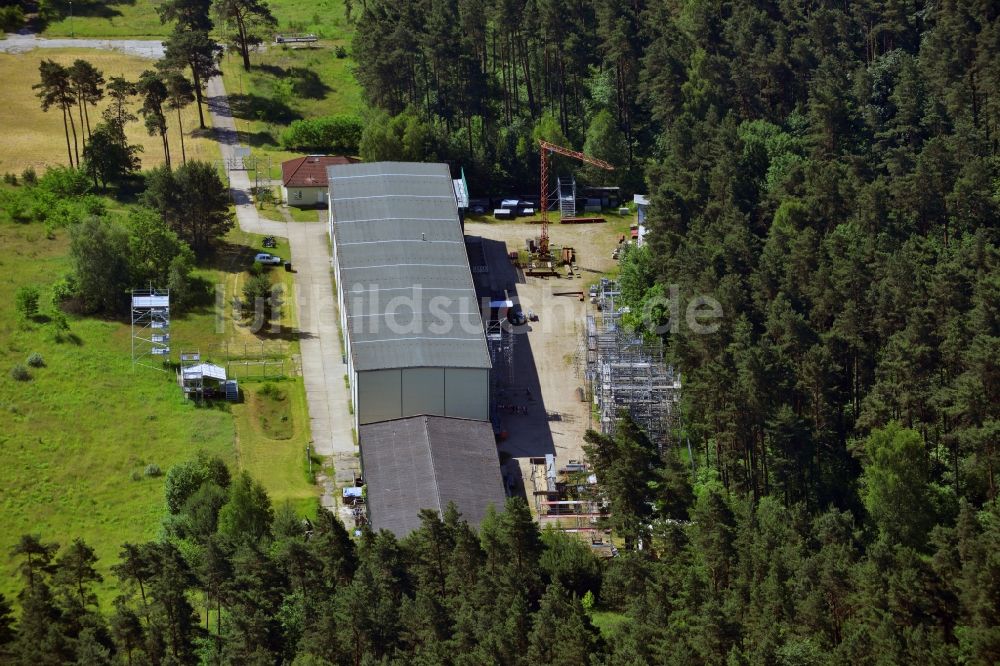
(418, 362)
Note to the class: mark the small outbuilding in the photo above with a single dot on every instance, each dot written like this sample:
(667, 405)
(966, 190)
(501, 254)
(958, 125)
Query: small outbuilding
(303, 179)
(207, 380)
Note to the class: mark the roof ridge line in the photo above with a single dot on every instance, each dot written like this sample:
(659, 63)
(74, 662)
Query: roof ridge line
(430, 455)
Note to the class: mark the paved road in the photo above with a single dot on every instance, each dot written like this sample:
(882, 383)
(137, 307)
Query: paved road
(24, 42)
(323, 368)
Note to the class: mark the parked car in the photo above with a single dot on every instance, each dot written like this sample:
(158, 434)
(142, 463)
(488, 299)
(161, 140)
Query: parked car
(267, 259)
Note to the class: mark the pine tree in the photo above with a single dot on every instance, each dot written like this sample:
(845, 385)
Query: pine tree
(247, 516)
(56, 89)
(250, 17)
(561, 633)
(87, 83)
(197, 51)
(41, 635)
(36, 558)
(7, 631)
(127, 631)
(180, 93)
(154, 94)
(75, 570)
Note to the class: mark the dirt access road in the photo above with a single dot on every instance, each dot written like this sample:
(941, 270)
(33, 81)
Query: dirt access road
(548, 367)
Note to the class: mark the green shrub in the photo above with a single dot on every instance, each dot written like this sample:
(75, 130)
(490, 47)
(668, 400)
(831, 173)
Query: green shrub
(29, 176)
(338, 133)
(258, 291)
(153, 470)
(11, 18)
(340, 51)
(59, 326)
(26, 301)
(20, 373)
(184, 479)
(36, 360)
(10, 179)
(64, 288)
(65, 182)
(269, 390)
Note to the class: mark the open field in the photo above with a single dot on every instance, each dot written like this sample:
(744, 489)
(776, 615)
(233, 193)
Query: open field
(37, 139)
(278, 461)
(285, 84)
(138, 18)
(76, 433)
(79, 435)
(607, 621)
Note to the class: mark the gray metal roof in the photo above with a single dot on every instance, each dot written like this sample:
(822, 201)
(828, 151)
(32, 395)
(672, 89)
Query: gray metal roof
(425, 462)
(398, 235)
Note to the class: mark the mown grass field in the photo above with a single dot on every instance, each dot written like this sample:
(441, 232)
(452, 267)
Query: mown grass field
(285, 84)
(138, 18)
(35, 138)
(79, 435)
(277, 461)
(277, 454)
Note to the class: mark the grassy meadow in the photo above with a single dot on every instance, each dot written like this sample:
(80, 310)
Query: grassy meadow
(285, 83)
(35, 138)
(81, 432)
(138, 19)
(78, 436)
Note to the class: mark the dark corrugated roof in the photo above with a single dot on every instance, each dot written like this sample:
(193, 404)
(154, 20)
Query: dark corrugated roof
(398, 235)
(425, 462)
(310, 171)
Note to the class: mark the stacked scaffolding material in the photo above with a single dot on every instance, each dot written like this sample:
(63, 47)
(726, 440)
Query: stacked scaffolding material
(150, 327)
(627, 372)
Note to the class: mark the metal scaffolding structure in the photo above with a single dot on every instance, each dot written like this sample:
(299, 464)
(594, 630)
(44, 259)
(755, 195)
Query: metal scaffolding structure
(150, 327)
(500, 339)
(627, 372)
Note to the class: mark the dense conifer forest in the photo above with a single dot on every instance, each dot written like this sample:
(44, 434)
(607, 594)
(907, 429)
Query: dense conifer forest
(829, 173)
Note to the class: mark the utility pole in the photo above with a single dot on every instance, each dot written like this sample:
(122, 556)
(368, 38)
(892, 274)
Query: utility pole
(72, 32)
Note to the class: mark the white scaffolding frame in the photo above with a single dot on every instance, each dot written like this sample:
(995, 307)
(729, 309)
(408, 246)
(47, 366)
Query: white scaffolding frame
(150, 327)
(627, 372)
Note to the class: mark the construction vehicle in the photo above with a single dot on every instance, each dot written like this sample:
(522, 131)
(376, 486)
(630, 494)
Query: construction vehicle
(546, 150)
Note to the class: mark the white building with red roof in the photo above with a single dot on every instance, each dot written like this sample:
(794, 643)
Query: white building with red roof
(303, 179)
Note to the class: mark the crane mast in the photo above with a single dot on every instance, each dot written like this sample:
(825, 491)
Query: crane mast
(546, 150)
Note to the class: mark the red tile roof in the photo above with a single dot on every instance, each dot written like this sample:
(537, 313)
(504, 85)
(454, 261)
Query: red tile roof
(310, 171)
